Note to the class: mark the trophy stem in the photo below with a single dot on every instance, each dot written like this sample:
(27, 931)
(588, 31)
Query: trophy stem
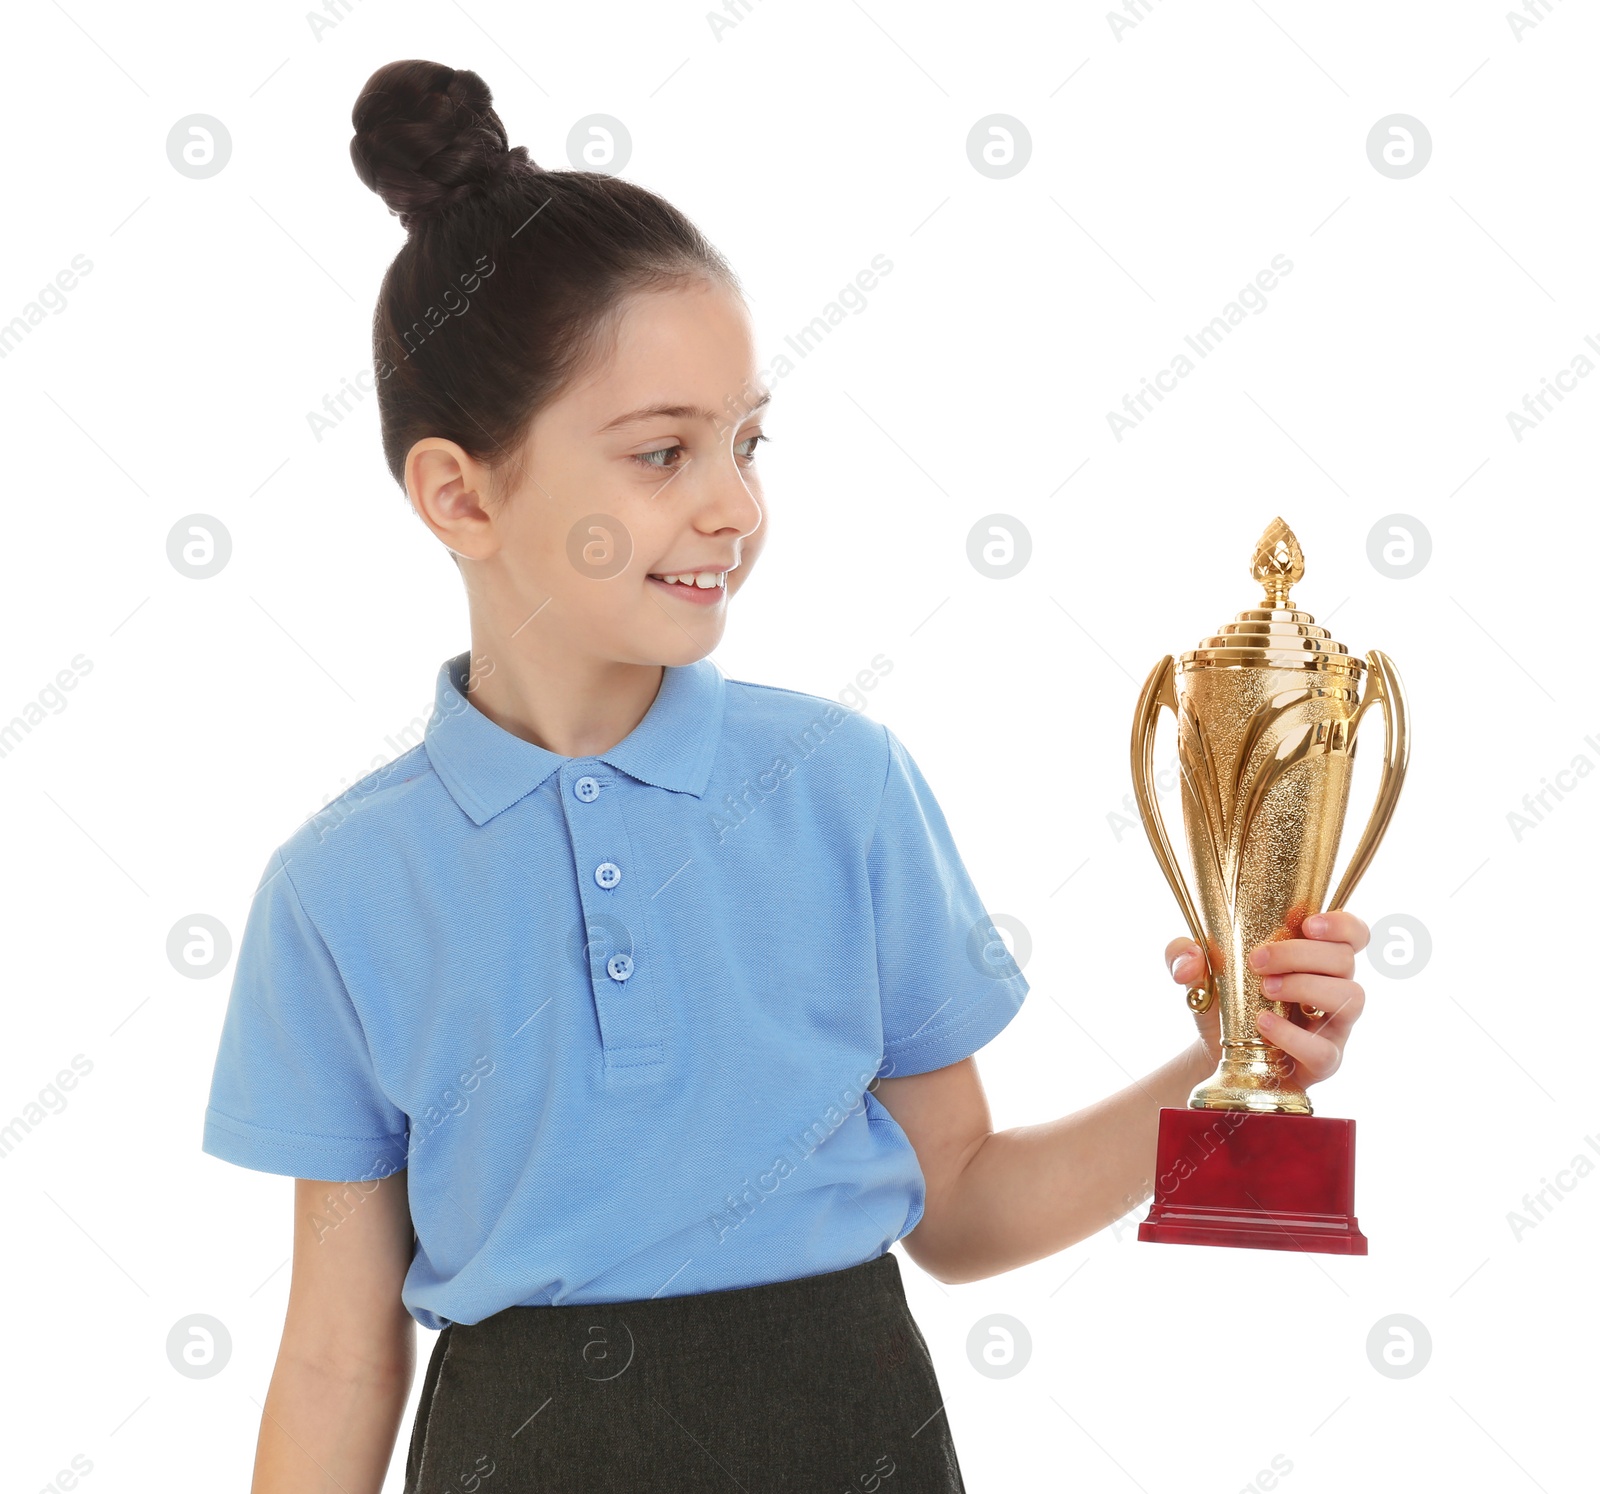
(1253, 1075)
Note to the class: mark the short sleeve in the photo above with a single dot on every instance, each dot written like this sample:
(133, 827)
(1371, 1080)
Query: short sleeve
(293, 1090)
(947, 982)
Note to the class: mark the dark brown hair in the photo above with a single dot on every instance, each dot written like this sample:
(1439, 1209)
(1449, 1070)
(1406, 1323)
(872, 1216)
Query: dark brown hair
(537, 262)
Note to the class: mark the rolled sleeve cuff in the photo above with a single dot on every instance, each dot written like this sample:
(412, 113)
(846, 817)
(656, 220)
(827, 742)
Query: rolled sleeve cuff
(337, 1159)
(947, 1038)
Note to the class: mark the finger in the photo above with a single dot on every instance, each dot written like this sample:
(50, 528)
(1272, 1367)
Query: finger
(1342, 1000)
(1315, 1055)
(1313, 955)
(1340, 927)
(1183, 960)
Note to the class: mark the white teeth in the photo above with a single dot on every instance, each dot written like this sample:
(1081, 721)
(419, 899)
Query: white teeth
(705, 580)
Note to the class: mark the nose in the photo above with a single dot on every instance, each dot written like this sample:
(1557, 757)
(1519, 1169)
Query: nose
(728, 501)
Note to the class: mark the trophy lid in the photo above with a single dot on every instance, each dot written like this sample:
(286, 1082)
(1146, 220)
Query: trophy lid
(1274, 635)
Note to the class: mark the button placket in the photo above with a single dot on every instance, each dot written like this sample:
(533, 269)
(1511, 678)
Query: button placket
(630, 1028)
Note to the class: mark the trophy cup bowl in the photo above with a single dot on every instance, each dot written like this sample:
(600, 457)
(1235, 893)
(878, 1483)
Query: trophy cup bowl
(1268, 711)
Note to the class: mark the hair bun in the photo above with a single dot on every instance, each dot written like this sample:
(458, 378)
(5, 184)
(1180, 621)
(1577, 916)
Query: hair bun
(427, 136)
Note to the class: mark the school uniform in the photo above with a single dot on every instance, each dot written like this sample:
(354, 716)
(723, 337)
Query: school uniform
(616, 1015)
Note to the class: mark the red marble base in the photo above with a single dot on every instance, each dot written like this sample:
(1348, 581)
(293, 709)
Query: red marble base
(1266, 1182)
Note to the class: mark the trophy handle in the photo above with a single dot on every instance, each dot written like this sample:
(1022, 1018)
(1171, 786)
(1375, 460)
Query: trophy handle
(1383, 684)
(1158, 692)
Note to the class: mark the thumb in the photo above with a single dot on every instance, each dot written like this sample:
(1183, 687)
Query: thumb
(1183, 960)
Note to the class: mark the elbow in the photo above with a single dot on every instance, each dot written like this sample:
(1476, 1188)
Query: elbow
(373, 1358)
(942, 1264)
(953, 1275)
(958, 1275)
(381, 1375)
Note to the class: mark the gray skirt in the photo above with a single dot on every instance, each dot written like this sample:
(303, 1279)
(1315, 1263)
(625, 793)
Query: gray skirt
(819, 1384)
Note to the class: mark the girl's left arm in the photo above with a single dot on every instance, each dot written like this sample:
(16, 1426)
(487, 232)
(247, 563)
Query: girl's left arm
(996, 1200)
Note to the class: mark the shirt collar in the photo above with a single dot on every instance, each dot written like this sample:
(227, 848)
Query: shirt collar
(487, 769)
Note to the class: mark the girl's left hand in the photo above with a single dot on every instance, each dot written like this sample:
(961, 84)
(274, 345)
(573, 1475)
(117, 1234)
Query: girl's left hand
(1313, 972)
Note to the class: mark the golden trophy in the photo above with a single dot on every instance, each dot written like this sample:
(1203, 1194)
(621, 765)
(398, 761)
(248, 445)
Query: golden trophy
(1267, 713)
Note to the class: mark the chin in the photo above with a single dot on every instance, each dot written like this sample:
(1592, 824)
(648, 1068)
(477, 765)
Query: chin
(672, 645)
(689, 650)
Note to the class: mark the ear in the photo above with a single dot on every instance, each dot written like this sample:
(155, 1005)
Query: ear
(452, 493)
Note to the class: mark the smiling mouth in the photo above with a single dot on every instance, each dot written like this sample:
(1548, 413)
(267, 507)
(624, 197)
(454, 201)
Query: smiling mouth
(691, 592)
(694, 580)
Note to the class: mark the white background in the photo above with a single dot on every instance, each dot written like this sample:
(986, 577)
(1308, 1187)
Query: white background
(1169, 163)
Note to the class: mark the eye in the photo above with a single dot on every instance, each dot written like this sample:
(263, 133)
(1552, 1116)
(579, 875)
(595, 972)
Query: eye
(655, 460)
(648, 458)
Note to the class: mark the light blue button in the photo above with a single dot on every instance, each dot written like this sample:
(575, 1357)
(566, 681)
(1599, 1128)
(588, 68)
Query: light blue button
(619, 966)
(608, 874)
(587, 789)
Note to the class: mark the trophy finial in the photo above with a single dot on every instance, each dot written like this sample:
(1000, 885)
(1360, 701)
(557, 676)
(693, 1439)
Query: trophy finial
(1277, 564)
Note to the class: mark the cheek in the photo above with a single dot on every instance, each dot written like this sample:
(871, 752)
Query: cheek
(575, 553)
(603, 547)
(578, 523)
(648, 533)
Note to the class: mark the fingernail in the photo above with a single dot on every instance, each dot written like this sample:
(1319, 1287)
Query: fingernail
(1270, 983)
(1258, 959)
(1268, 1018)
(1315, 925)
(1177, 962)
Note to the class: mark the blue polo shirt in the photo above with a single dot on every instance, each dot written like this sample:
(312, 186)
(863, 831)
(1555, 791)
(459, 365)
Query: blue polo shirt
(616, 1015)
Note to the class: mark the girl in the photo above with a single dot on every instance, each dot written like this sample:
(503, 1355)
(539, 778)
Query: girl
(619, 1028)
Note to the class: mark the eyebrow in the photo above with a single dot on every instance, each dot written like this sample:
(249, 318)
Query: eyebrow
(678, 412)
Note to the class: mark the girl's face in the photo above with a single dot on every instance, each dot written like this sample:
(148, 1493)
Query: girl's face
(646, 469)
